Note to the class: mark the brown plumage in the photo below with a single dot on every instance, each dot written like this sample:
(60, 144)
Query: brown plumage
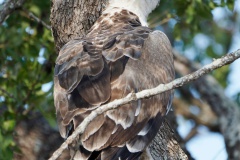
(118, 56)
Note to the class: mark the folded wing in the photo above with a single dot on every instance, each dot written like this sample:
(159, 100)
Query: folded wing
(88, 74)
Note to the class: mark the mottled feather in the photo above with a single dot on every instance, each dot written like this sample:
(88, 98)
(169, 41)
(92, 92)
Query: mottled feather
(118, 56)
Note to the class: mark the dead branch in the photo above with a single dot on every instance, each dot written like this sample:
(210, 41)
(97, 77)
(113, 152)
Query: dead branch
(36, 19)
(205, 116)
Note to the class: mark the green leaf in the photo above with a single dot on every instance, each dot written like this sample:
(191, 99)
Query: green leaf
(9, 125)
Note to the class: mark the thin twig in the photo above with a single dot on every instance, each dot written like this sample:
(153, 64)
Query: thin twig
(7, 93)
(38, 20)
(227, 59)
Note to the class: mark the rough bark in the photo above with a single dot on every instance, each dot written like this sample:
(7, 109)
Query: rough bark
(8, 7)
(71, 19)
(226, 110)
(165, 145)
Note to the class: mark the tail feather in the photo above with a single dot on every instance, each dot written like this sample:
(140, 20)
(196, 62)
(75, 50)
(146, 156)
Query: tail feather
(118, 153)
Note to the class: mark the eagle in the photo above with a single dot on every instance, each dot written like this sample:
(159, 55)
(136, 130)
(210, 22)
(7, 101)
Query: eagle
(119, 55)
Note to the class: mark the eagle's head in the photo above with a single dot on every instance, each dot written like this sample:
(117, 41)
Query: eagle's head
(142, 8)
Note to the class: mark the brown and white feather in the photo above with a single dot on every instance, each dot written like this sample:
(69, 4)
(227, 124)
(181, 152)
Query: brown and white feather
(118, 56)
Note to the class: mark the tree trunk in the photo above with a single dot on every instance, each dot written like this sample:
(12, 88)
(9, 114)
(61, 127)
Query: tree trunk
(36, 139)
(73, 19)
(165, 145)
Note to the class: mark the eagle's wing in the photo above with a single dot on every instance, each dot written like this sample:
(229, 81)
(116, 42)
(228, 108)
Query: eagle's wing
(138, 122)
(88, 75)
(81, 82)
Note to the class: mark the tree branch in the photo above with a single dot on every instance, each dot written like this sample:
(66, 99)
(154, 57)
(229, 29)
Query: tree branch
(227, 59)
(205, 117)
(38, 20)
(7, 93)
(8, 7)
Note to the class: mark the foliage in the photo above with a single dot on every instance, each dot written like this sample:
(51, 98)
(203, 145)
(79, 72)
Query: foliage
(26, 63)
(27, 55)
(193, 31)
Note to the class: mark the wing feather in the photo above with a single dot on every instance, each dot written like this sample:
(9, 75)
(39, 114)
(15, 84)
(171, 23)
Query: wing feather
(107, 65)
(129, 44)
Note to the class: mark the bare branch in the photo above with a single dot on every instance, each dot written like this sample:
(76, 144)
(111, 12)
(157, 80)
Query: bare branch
(38, 20)
(7, 93)
(205, 117)
(227, 59)
(8, 7)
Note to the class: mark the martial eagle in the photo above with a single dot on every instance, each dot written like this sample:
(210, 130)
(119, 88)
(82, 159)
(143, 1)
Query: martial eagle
(119, 55)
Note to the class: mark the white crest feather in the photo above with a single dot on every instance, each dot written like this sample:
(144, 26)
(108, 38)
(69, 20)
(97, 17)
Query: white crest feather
(142, 8)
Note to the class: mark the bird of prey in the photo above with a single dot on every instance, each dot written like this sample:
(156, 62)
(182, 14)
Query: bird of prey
(118, 56)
